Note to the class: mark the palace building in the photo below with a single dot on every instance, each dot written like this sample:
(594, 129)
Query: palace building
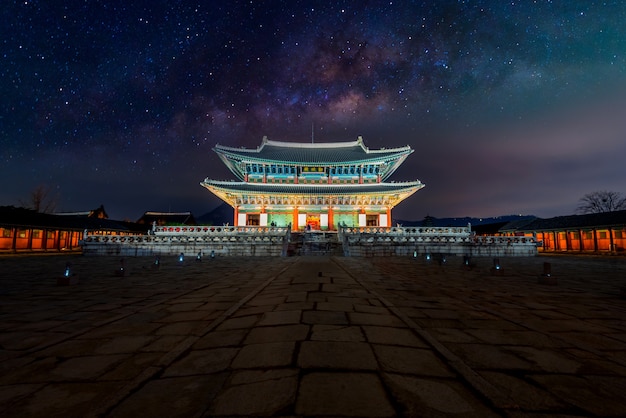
(316, 186)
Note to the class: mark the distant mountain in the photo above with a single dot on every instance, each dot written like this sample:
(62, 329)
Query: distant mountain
(223, 214)
(442, 222)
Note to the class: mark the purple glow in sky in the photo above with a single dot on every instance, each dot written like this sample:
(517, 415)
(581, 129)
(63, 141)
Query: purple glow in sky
(511, 107)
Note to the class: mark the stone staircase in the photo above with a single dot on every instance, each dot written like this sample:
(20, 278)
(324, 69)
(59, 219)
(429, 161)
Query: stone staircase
(314, 243)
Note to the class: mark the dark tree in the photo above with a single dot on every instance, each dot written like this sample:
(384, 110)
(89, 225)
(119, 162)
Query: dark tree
(600, 202)
(41, 200)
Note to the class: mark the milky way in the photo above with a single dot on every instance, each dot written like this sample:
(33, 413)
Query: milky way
(512, 107)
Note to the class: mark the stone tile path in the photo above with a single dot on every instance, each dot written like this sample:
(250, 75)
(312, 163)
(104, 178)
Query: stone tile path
(312, 336)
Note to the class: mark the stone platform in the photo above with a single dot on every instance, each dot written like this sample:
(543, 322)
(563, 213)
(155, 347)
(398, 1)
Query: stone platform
(312, 336)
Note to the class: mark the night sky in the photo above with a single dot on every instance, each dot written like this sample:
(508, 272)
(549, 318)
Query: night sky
(512, 107)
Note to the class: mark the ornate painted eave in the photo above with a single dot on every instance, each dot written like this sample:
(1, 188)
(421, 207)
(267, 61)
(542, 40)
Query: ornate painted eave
(387, 193)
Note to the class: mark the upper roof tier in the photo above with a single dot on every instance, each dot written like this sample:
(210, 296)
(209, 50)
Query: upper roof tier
(329, 153)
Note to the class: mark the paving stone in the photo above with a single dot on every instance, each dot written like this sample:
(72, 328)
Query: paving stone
(202, 362)
(185, 316)
(360, 318)
(184, 306)
(172, 397)
(311, 280)
(63, 400)
(275, 354)
(548, 360)
(296, 297)
(238, 323)
(125, 344)
(510, 337)
(419, 396)
(163, 343)
(339, 355)
(343, 394)
(12, 393)
(226, 338)
(484, 356)
(324, 317)
(259, 301)
(553, 350)
(345, 306)
(371, 309)
(251, 376)
(410, 360)
(579, 391)
(528, 397)
(182, 328)
(297, 332)
(280, 318)
(395, 336)
(452, 335)
(132, 366)
(261, 398)
(337, 333)
(87, 367)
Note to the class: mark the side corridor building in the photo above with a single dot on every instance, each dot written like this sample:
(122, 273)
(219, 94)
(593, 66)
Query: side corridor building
(595, 232)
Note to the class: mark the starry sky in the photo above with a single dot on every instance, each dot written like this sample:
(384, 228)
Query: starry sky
(512, 107)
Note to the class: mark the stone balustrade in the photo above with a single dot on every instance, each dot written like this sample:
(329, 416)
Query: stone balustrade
(218, 240)
(404, 241)
(217, 230)
(459, 231)
(274, 241)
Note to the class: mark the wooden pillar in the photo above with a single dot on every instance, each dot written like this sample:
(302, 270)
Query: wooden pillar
(595, 240)
(611, 243)
(29, 242)
(580, 240)
(361, 174)
(44, 239)
(235, 223)
(14, 241)
(567, 241)
(556, 240)
(389, 216)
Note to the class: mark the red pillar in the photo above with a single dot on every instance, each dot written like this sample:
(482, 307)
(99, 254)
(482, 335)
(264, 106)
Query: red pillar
(330, 218)
(295, 218)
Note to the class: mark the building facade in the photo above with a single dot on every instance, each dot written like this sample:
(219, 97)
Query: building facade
(28, 230)
(589, 233)
(316, 186)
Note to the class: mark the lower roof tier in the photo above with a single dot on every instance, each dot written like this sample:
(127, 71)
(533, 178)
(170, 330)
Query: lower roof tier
(232, 191)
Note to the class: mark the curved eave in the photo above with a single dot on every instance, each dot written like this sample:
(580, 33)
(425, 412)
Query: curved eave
(312, 145)
(368, 158)
(238, 188)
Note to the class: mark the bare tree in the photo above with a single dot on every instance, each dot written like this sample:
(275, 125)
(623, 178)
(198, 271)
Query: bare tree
(601, 201)
(41, 200)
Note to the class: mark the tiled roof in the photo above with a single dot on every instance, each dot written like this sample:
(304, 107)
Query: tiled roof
(312, 153)
(591, 220)
(314, 189)
(11, 216)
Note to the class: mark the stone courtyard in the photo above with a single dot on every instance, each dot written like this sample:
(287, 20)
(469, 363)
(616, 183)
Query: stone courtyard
(312, 336)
